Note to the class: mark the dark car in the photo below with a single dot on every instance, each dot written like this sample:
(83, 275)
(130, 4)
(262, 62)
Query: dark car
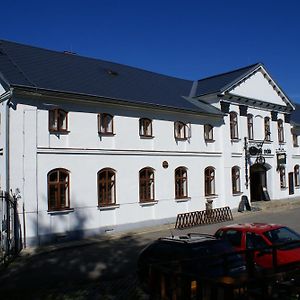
(262, 238)
(195, 254)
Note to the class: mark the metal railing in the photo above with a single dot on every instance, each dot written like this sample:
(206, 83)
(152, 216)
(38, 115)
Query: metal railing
(203, 217)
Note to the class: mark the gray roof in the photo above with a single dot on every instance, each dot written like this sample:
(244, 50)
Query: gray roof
(220, 82)
(32, 67)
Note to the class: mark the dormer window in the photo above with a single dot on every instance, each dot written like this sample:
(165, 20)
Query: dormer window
(280, 131)
(234, 134)
(58, 120)
(250, 126)
(208, 133)
(105, 124)
(145, 127)
(180, 130)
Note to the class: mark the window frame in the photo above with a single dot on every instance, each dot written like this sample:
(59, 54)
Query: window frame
(267, 129)
(297, 175)
(250, 127)
(236, 180)
(295, 140)
(55, 115)
(146, 185)
(180, 131)
(208, 133)
(280, 129)
(59, 205)
(234, 129)
(143, 127)
(209, 181)
(181, 183)
(103, 124)
(103, 187)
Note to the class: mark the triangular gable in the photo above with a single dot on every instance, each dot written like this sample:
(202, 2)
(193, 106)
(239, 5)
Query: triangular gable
(260, 86)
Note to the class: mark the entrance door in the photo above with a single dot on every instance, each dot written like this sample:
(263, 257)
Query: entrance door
(258, 182)
(291, 183)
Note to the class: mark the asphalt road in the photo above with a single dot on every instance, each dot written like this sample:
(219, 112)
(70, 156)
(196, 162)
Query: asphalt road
(104, 269)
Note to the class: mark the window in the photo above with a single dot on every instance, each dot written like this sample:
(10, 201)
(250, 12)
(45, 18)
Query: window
(209, 175)
(106, 187)
(235, 175)
(58, 120)
(267, 129)
(234, 126)
(180, 131)
(280, 131)
(250, 126)
(295, 140)
(296, 175)
(145, 127)
(58, 190)
(282, 177)
(105, 124)
(146, 185)
(181, 183)
(234, 237)
(208, 132)
(254, 241)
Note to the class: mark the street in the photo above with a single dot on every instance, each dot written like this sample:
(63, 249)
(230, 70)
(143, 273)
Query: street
(106, 267)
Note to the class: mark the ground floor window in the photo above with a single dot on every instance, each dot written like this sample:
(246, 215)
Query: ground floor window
(209, 177)
(106, 187)
(146, 185)
(235, 178)
(181, 183)
(282, 177)
(296, 175)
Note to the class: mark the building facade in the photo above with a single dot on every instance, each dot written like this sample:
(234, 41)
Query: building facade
(90, 147)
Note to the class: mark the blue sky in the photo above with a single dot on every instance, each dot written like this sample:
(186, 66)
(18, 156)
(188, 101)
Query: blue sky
(188, 39)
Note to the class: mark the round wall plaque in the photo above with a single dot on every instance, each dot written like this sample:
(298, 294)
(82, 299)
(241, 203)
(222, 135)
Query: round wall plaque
(165, 164)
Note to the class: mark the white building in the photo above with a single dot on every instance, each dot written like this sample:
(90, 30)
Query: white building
(94, 146)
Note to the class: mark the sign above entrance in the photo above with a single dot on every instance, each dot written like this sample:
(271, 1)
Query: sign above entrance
(281, 159)
(253, 150)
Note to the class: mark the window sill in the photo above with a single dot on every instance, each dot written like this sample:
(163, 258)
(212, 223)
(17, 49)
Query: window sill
(282, 143)
(59, 132)
(268, 142)
(180, 139)
(209, 141)
(207, 197)
(146, 137)
(109, 207)
(149, 203)
(296, 146)
(106, 134)
(60, 212)
(185, 199)
(237, 193)
(235, 140)
(283, 188)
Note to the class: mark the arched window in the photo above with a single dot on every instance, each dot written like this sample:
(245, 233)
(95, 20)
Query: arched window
(208, 132)
(58, 189)
(296, 175)
(146, 185)
(106, 187)
(145, 127)
(180, 131)
(234, 134)
(236, 182)
(267, 129)
(280, 131)
(209, 177)
(58, 120)
(295, 140)
(250, 126)
(105, 124)
(282, 177)
(181, 190)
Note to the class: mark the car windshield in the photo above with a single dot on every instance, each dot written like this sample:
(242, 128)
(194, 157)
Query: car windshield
(282, 235)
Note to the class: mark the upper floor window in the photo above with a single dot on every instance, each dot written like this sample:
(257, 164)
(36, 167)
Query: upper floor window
(208, 132)
(235, 178)
(180, 130)
(267, 129)
(280, 131)
(296, 175)
(58, 120)
(105, 124)
(282, 177)
(250, 126)
(145, 127)
(146, 185)
(106, 187)
(58, 190)
(234, 134)
(295, 140)
(209, 178)
(181, 183)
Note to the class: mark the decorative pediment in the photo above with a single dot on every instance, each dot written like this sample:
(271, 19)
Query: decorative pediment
(259, 86)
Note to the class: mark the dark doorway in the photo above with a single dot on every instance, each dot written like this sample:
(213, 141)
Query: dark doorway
(258, 182)
(291, 183)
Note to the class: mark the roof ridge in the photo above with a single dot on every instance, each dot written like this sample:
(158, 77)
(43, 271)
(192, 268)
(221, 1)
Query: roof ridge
(229, 72)
(95, 59)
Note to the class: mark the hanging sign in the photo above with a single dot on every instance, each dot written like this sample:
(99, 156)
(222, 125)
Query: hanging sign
(281, 159)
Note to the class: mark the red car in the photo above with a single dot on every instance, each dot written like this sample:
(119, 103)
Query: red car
(261, 236)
